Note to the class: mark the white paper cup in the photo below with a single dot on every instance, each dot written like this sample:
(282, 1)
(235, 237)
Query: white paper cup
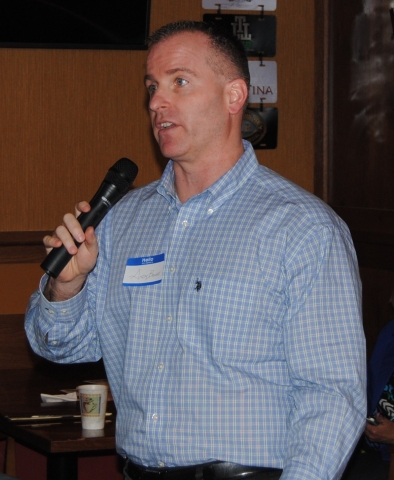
(93, 403)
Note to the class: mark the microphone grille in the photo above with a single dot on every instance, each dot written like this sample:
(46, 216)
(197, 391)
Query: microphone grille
(122, 174)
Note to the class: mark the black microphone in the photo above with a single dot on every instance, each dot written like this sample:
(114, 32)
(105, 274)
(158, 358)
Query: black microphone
(116, 183)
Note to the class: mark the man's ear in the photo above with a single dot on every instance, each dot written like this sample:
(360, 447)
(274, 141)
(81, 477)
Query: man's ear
(237, 95)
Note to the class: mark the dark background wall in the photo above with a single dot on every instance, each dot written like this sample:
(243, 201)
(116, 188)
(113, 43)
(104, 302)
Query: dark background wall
(361, 142)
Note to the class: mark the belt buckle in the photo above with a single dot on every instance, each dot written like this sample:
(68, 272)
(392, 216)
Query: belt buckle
(156, 471)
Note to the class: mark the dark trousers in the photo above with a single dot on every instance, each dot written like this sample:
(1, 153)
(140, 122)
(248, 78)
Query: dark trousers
(366, 464)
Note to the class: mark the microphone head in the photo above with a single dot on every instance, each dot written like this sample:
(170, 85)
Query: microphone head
(122, 174)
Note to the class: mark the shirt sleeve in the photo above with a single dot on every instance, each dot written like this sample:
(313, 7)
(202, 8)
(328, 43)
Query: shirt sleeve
(68, 331)
(63, 332)
(325, 348)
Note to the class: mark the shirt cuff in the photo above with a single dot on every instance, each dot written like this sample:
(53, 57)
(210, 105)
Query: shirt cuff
(59, 312)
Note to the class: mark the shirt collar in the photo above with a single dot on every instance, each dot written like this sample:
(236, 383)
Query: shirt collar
(222, 189)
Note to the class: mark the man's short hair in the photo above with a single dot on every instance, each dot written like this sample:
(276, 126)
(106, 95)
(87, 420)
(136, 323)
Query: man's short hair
(223, 44)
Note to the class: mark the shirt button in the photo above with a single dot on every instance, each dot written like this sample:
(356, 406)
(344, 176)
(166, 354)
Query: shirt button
(160, 366)
(185, 223)
(172, 269)
(161, 464)
(64, 311)
(210, 211)
(169, 318)
(155, 417)
(54, 342)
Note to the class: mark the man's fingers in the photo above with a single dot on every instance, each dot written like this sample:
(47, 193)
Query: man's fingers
(72, 229)
(51, 242)
(90, 237)
(82, 207)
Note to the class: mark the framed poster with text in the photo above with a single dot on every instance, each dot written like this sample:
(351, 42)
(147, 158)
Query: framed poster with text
(258, 34)
(269, 5)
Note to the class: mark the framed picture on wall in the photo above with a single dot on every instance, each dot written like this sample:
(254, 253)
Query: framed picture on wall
(92, 24)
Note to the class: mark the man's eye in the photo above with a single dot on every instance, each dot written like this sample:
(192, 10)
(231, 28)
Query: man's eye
(181, 82)
(151, 89)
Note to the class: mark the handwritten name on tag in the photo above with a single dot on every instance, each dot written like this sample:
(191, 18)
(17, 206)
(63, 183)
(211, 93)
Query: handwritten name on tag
(144, 271)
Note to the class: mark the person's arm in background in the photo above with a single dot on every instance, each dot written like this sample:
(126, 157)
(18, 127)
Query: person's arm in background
(325, 348)
(382, 433)
(60, 318)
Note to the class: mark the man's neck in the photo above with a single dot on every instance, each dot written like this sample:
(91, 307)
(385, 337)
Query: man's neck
(194, 178)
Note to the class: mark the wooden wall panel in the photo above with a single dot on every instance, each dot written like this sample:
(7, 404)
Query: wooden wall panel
(362, 105)
(68, 115)
(373, 235)
(362, 146)
(17, 282)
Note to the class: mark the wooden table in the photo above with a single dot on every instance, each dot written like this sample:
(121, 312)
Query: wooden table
(62, 441)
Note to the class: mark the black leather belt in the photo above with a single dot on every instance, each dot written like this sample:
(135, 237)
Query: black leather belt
(209, 471)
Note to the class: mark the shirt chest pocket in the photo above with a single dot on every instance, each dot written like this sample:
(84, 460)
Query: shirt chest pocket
(230, 320)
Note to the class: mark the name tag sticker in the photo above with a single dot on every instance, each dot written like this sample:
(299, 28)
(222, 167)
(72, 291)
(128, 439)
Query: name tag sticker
(144, 271)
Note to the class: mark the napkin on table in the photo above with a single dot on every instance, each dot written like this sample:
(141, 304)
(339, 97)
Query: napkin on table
(64, 397)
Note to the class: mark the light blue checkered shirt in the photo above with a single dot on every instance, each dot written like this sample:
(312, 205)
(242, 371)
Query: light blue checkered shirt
(249, 350)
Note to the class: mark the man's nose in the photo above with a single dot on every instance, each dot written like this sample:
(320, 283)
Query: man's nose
(158, 100)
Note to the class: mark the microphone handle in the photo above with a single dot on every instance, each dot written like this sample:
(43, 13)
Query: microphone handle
(56, 260)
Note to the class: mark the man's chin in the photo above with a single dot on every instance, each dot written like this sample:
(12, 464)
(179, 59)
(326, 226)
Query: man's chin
(169, 151)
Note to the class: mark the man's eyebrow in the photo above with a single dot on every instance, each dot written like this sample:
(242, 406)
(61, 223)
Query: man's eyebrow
(148, 77)
(171, 71)
(180, 69)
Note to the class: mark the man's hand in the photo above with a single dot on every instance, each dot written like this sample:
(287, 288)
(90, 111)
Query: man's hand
(73, 276)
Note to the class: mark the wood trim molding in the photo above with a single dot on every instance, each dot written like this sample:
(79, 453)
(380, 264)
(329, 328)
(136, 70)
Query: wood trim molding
(22, 247)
